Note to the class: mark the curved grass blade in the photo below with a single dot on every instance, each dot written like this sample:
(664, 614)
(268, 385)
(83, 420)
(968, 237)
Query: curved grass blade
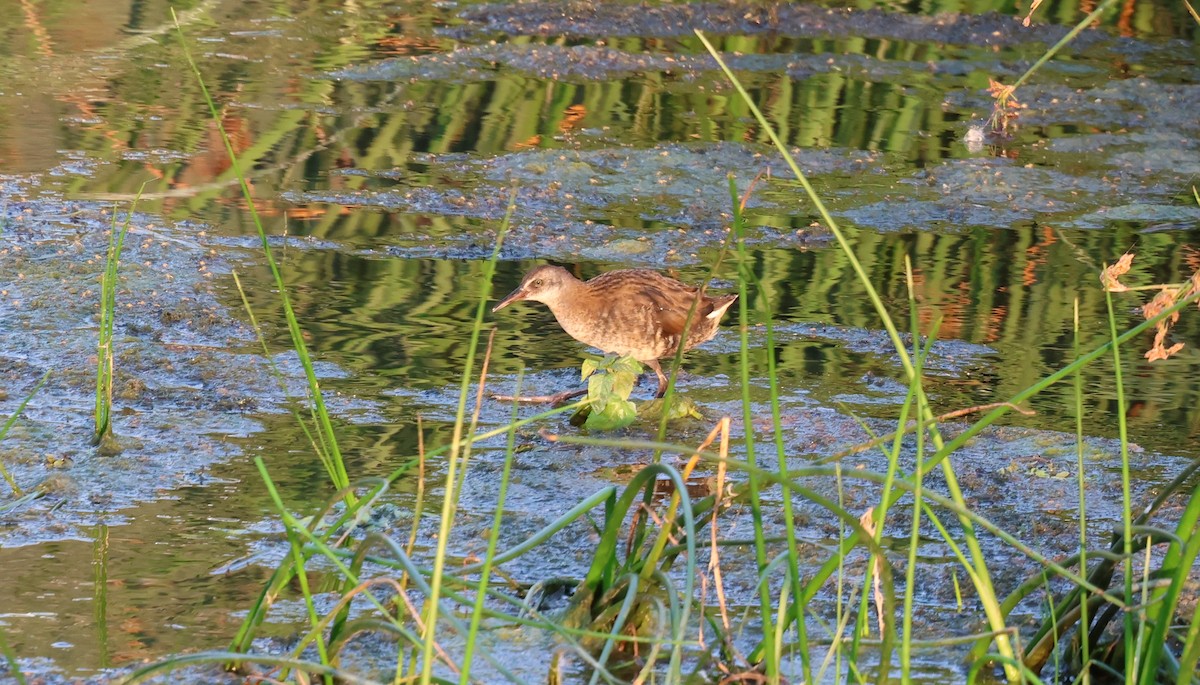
(8, 424)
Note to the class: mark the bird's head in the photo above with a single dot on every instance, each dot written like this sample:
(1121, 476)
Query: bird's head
(544, 284)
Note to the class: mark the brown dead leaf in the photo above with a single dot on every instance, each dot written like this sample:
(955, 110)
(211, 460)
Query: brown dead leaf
(1110, 275)
(1164, 299)
(1158, 352)
(1032, 9)
(867, 520)
(1001, 92)
(1006, 108)
(1193, 286)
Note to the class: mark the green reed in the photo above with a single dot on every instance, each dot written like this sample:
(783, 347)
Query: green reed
(914, 396)
(8, 424)
(1129, 624)
(977, 569)
(489, 558)
(746, 279)
(972, 560)
(460, 452)
(102, 411)
(1077, 396)
(330, 453)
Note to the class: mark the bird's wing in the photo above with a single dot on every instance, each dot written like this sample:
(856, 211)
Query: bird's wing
(670, 306)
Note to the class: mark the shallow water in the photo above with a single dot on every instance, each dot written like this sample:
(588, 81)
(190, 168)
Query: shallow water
(383, 141)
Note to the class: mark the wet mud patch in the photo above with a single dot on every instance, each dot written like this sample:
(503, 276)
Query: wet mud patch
(576, 19)
(876, 387)
(1133, 154)
(182, 388)
(997, 193)
(641, 206)
(479, 63)
(946, 356)
(1141, 111)
(684, 72)
(1135, 150)
(1135, 147)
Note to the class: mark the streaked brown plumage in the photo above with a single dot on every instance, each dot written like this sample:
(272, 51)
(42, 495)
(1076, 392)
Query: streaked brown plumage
(634, 312)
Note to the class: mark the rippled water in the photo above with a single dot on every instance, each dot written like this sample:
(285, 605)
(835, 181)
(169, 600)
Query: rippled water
(384, 139)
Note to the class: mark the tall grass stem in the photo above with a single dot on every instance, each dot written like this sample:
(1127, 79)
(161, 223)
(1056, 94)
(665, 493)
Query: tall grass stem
(450, 496)
(1129, 625)
(331, 455)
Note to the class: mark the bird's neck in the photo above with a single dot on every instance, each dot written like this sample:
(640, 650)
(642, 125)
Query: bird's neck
(573, 305)
(571, 294)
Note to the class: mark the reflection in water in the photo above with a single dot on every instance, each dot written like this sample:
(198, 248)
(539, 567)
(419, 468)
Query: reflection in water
(391, 176)
(403, 322)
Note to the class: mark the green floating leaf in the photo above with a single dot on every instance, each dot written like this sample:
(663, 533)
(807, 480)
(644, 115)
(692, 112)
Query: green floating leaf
(616, 414)
(681, 408)
(590, 365)
(627, 365)
(622, 384)
(600, 391)
(610, 383)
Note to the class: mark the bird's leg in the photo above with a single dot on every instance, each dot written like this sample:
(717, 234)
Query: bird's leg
(662, 377)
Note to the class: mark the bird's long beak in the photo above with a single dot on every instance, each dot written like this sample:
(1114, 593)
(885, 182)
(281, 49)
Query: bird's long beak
(515, 296)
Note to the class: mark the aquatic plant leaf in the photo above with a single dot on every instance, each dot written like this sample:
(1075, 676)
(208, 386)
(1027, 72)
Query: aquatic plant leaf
(589, 367)
(681, 408)
(610, 383)
(627, 365)
(600, 390)
(622, 383)
(616, 414)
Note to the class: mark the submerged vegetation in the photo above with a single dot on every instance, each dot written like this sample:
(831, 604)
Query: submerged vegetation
(655, 602)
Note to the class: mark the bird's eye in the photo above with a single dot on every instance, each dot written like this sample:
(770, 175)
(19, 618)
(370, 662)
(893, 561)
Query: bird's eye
(537, 283)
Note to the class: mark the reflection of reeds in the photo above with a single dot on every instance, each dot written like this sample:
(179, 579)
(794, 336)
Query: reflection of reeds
(320, 432)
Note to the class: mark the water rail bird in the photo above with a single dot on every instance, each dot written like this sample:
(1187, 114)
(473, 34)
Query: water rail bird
(634, 312)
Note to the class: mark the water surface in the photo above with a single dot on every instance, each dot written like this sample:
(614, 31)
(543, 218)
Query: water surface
(382, 142)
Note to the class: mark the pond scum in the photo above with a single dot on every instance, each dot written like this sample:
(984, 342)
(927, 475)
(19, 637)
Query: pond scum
(635, 616)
